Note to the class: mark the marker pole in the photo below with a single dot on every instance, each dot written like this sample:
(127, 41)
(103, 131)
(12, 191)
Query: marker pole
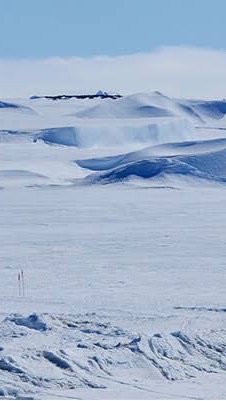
(22, 282)
(19, 284)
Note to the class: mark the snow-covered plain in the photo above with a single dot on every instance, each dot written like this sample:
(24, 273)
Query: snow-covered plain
(115, 212)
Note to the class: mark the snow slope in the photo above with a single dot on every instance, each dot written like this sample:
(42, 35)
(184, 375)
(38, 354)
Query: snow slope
(141, 106)
(203, 159)
(212, 109)
(124, 283)
(118, 135)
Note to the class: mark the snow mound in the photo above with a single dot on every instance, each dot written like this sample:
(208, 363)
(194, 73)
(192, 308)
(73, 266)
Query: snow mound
(153, 105)
(33, 322)
(133, 106)
(147, 169)
(209, 166)
(110, 135)
(167, 149)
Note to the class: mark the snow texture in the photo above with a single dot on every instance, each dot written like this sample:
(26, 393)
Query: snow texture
(114, 208)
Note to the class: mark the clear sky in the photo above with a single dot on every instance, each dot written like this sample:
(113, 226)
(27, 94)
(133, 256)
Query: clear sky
(46, 28)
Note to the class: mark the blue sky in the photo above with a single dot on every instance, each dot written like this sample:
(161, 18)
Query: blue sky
(47, 28)
(125, 46)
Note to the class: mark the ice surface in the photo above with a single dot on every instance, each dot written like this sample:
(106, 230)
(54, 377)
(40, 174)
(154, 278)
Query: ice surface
(125, 282)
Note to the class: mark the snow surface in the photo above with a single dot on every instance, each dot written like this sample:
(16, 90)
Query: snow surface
(115, 211)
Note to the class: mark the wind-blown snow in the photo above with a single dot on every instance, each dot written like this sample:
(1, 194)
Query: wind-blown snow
(118, 135)
(205, 160)
(124, 283)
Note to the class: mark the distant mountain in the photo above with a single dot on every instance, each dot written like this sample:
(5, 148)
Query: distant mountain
(99, 94)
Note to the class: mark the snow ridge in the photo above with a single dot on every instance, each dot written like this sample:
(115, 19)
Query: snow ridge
(93, 353)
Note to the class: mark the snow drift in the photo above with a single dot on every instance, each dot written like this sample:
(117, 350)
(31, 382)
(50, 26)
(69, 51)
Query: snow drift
(141, 106)
(167, 149)
(160, 131)
(161, 168)
(110, 135)
(201, 161)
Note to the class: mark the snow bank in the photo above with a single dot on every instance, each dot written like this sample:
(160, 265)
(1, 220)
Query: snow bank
(209, 166)
(110, 135)
(168, 149)
(147, 169)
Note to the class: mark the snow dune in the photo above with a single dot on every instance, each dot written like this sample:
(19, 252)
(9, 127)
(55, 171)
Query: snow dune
(152, 136)
(167, 149)
(202, 160)
(156, 104)
(203, 168)
(141, 106)
(110, 135)
(134, 106)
